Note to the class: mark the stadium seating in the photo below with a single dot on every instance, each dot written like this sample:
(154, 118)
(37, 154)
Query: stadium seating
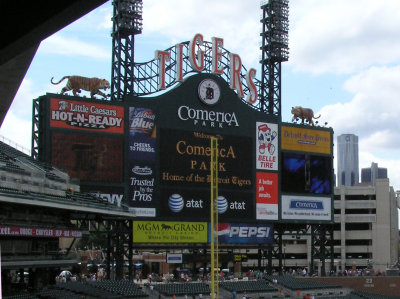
(248, 286)
(294, 283)
(179, 289)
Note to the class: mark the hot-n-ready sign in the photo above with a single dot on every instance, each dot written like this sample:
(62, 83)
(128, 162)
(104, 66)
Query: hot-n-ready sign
(79, 115)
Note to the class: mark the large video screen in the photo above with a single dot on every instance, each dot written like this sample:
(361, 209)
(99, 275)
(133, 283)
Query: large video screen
(88, 157)
(303, 173)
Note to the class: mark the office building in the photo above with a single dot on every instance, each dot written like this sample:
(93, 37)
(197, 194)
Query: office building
(365, 231)
(347, 160)
(369, 175)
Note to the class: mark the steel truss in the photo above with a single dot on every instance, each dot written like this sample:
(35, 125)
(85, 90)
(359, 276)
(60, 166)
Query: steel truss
(127, 22)
(37, 130)
(275, 49)
(322, 246)
(146, 74)
(118, 234)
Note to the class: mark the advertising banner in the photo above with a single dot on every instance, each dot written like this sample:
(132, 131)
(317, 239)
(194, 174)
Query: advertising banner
(174, 258)
(267, 146)
(88, 157)
(306, 140)
(112, 195)
(142, 156)
(240, 233)
(267, 196)
(305, 173)
(141, 197)
(169, 232)
(142, 134)
(39, 232)
(309, 208)
(95, 117)
(240, 257)
(186, 155)
(195, 204)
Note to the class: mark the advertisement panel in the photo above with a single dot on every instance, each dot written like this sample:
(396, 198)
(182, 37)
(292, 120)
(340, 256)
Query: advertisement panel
(88, 157)
(112, 195)
(142, 134)
(267, 146)
(79, 115)
(141, 197)
(185, 160)
(39, 232)
(306, 140)
(169, 232)
(304, 173)
(266, 196)
(142, 156)
(195, 204)
(310, 208)
(243, 233)
(174, 258)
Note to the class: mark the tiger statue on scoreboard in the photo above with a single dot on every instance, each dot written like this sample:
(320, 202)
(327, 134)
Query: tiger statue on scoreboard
(303, 114)
(76, 83)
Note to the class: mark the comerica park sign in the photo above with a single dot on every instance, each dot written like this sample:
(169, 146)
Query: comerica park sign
(196, 58)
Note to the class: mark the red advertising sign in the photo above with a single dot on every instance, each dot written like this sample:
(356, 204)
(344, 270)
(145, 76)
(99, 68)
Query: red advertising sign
(86, 116)
(267, 195)
(39, 232)
(267, 188)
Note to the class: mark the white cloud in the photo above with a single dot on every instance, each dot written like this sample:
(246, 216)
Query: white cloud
(17, 129)
(341, 36)
(373, 112)
(238, 23)
(17, 125)
(57, 44)
(373, 116)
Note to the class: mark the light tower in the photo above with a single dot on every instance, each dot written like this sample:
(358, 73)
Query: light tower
(127, 22)
(275, 49)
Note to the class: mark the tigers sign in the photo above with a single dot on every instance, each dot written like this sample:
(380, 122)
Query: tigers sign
(86, 116)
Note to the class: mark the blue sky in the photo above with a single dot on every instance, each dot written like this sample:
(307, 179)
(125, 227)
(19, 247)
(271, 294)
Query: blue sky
(344, 61)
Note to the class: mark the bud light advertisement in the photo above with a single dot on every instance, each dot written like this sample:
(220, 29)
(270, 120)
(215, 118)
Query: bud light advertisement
(229, 233)
(142, 134)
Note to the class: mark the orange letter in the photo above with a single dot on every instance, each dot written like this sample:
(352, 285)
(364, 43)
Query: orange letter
(235, 67)
(252, 96)
(179, 59)
(162, 56)
(197, 64)
(217, 42)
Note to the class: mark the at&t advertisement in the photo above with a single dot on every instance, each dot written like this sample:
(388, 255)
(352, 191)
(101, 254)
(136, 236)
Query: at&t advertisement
(195, 204)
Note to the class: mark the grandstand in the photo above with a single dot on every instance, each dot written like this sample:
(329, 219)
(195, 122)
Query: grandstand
(41, 205)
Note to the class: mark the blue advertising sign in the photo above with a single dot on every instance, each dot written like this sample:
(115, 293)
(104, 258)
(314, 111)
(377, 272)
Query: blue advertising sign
(306, 207)
(234, 233)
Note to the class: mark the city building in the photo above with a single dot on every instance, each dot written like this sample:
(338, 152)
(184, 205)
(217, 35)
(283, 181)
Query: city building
(365, 231)
(369, 175)
(347, 160)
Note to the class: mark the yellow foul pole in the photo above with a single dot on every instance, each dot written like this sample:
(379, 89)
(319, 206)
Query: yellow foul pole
(214, 218)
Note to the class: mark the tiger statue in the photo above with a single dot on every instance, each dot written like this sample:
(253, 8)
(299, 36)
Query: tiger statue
(76, 83)
(304, 114)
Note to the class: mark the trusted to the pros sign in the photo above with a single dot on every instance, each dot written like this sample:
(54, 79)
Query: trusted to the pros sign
(169, 232)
